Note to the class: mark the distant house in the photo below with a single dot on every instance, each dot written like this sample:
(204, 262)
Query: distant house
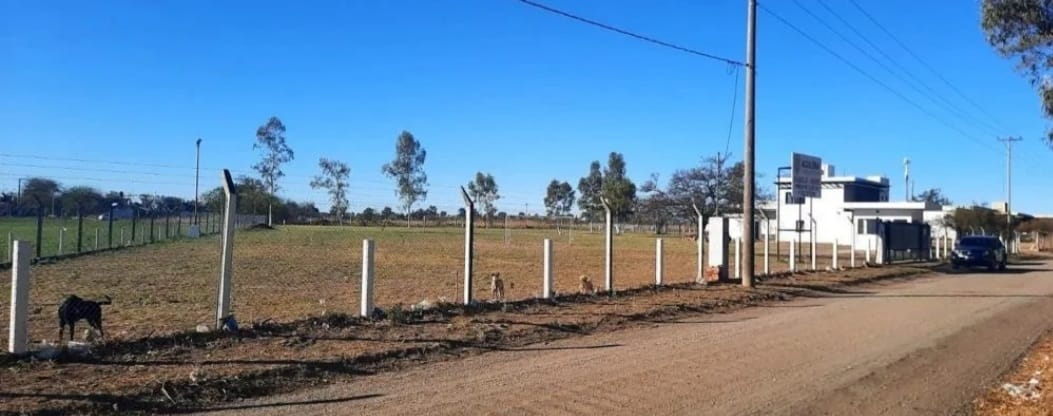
(119, 213)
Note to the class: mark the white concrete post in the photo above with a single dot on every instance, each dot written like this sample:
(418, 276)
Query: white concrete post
(609, 250)
(698, 235)
(368, 277)
(17, 337)
(96, 238)
(658, 266)
(469, 236)
(546, 282)
(793, 254)
(880, 251)
(946, 242)
(61, 239)
(812, 244)
(767, 266)
(227, 257)
(834, 263)
(868, 250)
(123, 243)
(738, 258)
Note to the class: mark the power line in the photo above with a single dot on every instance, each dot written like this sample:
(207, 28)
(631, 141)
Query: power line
(734, 101)
(943, 101)
(923, 62)
(871, 77)
(632, 34)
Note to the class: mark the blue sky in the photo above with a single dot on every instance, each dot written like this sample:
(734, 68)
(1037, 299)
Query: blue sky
(494, 86)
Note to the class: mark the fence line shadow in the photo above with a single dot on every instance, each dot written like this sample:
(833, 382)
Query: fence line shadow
(279, 404)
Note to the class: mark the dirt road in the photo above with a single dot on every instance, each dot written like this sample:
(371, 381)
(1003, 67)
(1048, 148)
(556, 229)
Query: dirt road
(923, 347)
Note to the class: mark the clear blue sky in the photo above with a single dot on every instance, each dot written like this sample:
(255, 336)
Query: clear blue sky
(494, 86)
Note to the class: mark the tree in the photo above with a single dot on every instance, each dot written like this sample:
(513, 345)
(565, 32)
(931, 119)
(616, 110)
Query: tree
(559, 198)
(334, 179)
(271, 138)
(39, 193)
(1023, 30)
(934, 196)
(387, 213)
(589, 189)
(483, 191)
(88, 199)
(655, 206)
(617, 188)
(408, 171)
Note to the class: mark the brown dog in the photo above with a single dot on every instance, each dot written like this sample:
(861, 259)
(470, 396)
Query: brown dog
(497, 287)
(586, 287)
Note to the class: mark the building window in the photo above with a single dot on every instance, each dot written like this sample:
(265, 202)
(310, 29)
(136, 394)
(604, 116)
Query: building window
(864, 226)
(790, 200)
(857, 192)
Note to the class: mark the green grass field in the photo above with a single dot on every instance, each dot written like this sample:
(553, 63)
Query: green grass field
(24, 228)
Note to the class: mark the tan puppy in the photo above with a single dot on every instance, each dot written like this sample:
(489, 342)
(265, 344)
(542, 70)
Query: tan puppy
(586, 287)
(497, 287)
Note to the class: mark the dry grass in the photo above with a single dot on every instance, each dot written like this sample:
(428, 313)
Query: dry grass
(309, 271)
(1036, 364)
(189, 371)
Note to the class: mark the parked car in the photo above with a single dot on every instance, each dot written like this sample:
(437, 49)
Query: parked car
(985, 251)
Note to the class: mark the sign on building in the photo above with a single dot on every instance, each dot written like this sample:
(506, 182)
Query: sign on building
(806, 176)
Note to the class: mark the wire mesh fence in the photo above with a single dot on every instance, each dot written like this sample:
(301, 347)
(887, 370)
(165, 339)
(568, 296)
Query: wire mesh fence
(299, 271)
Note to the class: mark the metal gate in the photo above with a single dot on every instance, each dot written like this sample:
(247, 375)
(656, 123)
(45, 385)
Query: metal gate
(905, 241)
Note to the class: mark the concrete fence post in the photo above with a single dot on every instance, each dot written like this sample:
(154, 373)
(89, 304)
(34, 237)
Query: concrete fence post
(96, 238)
(699, 245)
(767, 265)
(123, 241)
(659, 267)
(813, 245)
(227, 257)
(793, 255)
(868, 250)
(946, 242)
(546, 278)
(469, 235)
(368, 278)
(738, 257)
(881, 251)
(833, 262)
(61, 239)
(609, 249)
(17, 339)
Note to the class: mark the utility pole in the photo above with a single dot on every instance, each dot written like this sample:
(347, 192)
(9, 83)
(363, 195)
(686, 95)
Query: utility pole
(1009, 184)
(906, 179)
(748, 157)
(197, 179)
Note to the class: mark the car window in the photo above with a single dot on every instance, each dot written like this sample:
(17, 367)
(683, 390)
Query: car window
(980, 242)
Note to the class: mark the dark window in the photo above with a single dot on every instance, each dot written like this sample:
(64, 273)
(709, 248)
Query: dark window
(980, 242)
(866, 226)
(861, 192)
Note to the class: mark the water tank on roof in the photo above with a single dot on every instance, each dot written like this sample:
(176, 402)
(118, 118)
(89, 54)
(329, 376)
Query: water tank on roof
(828, 170)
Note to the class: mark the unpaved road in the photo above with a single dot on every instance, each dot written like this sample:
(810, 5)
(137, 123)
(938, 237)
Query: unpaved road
(922, 347)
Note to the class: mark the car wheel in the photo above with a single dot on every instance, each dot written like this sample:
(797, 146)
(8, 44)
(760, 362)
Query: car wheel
(992, 266)
(1002, 266)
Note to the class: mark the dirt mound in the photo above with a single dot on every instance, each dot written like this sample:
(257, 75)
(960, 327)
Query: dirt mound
(259, 227)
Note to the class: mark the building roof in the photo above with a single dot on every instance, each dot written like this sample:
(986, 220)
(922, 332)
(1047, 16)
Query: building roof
(921, 206)
(870, 180)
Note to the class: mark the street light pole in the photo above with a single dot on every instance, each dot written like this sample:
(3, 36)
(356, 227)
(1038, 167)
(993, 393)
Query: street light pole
(749, 158)
(197, 180)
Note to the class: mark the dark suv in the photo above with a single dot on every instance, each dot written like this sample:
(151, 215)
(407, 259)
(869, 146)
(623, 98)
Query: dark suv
(979, 251)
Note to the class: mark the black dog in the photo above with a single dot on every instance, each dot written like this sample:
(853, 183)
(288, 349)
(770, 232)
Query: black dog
(74, 309)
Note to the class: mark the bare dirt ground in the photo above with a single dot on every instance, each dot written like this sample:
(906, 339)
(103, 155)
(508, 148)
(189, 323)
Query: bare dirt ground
(1036, 399)
(187, 371)
(927, 346)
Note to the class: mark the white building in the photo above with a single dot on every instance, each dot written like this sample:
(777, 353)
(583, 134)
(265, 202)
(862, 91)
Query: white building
(848, 208)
